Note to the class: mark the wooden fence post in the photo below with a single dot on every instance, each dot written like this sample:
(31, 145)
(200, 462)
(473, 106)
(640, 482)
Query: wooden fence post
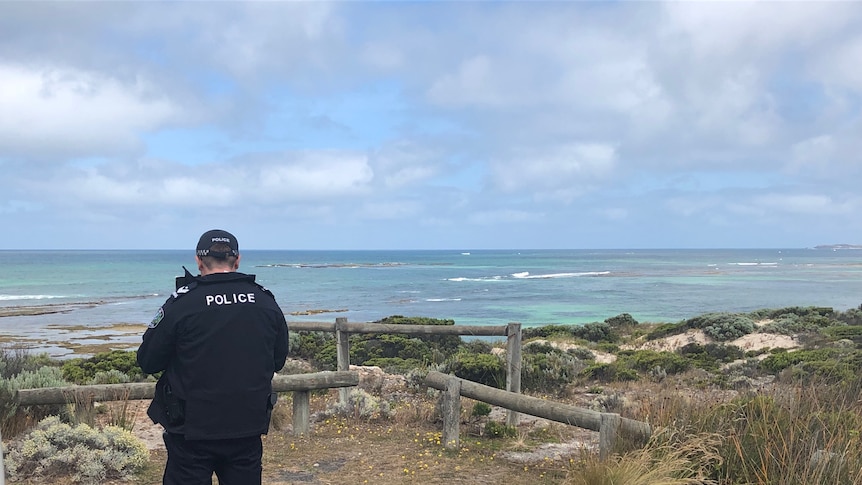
(513, 367)
(608, 434)
(343, 363)
(451, 407)
(300, 412)
(2, 469)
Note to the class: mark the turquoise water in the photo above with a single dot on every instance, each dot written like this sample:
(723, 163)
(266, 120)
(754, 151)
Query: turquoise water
(472, 287)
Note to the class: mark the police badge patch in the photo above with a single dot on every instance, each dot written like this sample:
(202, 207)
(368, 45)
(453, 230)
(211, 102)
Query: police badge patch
(158, 318)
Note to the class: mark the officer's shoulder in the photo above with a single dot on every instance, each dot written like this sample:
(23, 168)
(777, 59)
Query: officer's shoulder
(264, 289)
(184, 290)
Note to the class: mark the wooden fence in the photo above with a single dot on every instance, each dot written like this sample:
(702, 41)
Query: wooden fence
(299, 384)
(609, 425)
(343, 329)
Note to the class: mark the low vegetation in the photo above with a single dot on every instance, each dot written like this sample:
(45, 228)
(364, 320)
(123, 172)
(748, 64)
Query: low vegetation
(722, 412)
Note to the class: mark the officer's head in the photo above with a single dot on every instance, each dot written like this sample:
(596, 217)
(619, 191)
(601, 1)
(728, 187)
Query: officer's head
(217, 251)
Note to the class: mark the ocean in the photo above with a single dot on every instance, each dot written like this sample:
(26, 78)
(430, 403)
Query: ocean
(473, 287)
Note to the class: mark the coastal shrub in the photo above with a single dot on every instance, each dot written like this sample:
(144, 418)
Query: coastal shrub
(804, 312)
(389, 346)
(316, 347)
(597, 332)
(361, 405)
(711, 355)
(83, 370)
(612, 372)
(547, 331)
(480, 409)
(549, 372)
(845, 332)
(15, 360)
(723, 326)
(538, 347)
(666, 330)
(55, 449)
(779, 361)
(368, 348)
(494, 429)
(446, 344)
(852, 316)
(592, 332)
(788, 324)
(649, 360)
(320, 349)
(112, 376)
(476, 346)
(485, 369)
(621, 320)
(582, 353)
(15, 418)
(830, 371)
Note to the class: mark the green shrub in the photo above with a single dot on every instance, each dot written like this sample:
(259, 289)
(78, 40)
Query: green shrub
(792, 323)
(547, 331)
(481, 409)
(809, 311)
(593, 332)
(55, 449)
(15, 360)
(113, 376)
(316, 347)
(710, 356)
(828, 363)
(83, 371)
(666, 330)
(722, 326)
(549, 372)
(597, 332)
(582, 353)
(613, 372)
(848, 332)
(445, 344)
(367, 347)
(648, 360)
(852, 316)
(476, 347)
(485, 369)
(15, 418)
(493, 429)
(621, 320)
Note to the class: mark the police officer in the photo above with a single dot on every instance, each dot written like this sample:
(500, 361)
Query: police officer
(219, 338)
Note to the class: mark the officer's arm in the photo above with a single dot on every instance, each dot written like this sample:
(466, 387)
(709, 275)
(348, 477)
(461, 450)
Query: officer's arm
(281, 344)
(158, 344)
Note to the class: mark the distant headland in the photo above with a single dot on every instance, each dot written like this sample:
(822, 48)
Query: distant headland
(839, 246)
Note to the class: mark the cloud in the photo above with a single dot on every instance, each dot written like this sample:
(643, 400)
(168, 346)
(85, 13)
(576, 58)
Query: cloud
(313, 175)
(67, 112)
(566, 171)
(504, 216)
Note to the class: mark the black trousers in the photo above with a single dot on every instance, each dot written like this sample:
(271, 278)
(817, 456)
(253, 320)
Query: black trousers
(193, 462)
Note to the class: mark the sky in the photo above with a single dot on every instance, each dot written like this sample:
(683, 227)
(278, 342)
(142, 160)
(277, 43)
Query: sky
(430, 125)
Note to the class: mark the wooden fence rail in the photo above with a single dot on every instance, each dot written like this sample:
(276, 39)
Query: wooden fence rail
(610, 426)
(299, 384)
(343, 329)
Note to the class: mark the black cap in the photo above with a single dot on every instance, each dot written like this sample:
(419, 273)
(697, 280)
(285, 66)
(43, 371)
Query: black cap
(217, 236)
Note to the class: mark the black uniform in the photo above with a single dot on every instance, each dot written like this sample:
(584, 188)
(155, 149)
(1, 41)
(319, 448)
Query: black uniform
(219, 340)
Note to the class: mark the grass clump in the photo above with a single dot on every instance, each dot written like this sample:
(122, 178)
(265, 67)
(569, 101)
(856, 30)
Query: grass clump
(55, 449)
